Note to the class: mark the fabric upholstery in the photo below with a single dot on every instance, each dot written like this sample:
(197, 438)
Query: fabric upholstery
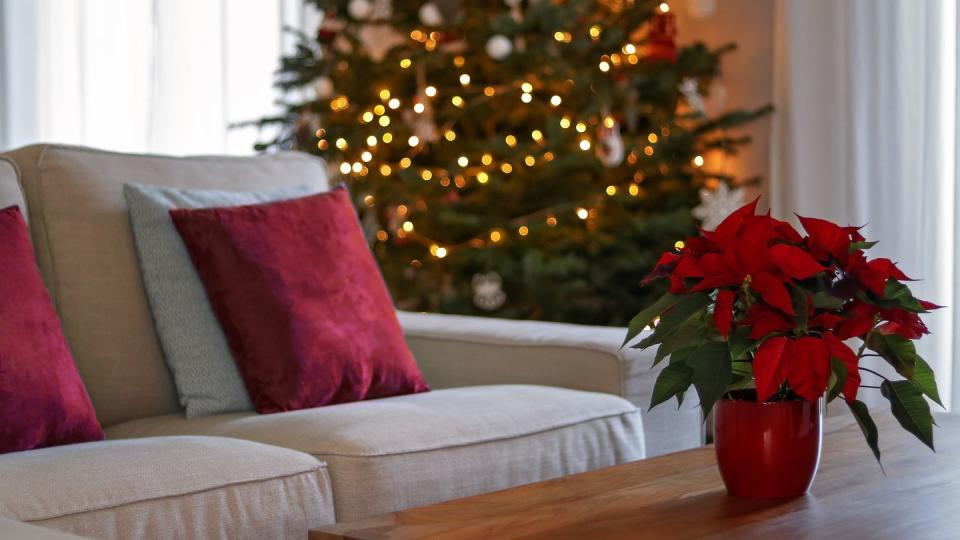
(17, 530)
(394, 453)
(10, 193)
(455, 351)
(301, 300)
(169, 487)
(85, 250)
(42, 399)
(193, 344)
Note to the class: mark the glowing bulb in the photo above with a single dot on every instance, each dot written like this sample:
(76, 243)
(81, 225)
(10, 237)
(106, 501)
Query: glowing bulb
(384, 94)
(629, 48)
(648, 150)
(387, 137)
(371, 141)
(558, 35)
(408, 226)
(552, 221)
(385, 170)
(450, 135)
(367, 117)
(342, 143)
(496, 236)
(595, 31)
(537, 135)
(565, 122)
(419, 108)
(382, 235)
(506, 168)
(369, 200)
(698, 161)
(604, 66)
(413, 141)
(652, 138)
(366, 157)
(634, 190)
(426, 175)
(441, 252)
(584, 144)
(486, 159)
(611, 190)
(581, 127)
(583, 213)
(459, 61)
(457, 101)
(526, 87)
(384, 121)
(404, 163)
(405, 63)
(379, 109)
(489, 91)
(465, 79)
(345, 168)
(523, 230)
(609, 122)
(322, 144)
(679, 244)
(664, 7)
(511, 140)
(530, 161)
(357, 167)
(483, 177)
(430, 91)
(556, 100)
(463, 161)
(526, 98)
(394, 103)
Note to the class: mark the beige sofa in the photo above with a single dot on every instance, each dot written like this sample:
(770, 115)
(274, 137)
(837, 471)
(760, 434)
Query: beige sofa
(514, 402)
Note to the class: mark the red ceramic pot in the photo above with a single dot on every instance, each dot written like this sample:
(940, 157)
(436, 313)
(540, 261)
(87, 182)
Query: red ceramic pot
(767, 450)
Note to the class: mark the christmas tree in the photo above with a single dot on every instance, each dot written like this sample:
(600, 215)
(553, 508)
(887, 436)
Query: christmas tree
(523, 158)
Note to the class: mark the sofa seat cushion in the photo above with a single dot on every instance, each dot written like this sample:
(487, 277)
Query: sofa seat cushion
(394, 453)
(169, 487)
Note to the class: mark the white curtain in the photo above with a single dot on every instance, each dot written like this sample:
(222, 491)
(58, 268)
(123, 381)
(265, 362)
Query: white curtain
(866, 134)
(164, 76)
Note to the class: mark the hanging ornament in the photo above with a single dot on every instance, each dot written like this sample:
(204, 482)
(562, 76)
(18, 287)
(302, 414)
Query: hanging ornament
(430, 14)
(717, 204)
(690, 89)
(499, 47)
(662, 37)
(323, 87)
(488, 292)
(701, 9)
(360, 9)
(329, 29)
(609, 148)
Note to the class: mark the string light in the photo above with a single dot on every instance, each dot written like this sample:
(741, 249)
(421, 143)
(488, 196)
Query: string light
(430, 91)
(366, 156)
(584, 144)
(418, 108)
(385, 170)
(552, 221)
(384, 94)
(465, 79)
(405, 63)
(463, 161)
(679, 245)
(341, 143)
(486, 159)
(459, 61)
(369, 200)
(387, 137)
(634, 190)
(496, 236)
(629, 48)
(506, 168)
(367, 117)
(483, 177)
(510, 140)
(530, 161)
(322, 144)
(611, 190)
(698, 161)
(413, 141)
(457, 101)
(565, 122)
(345, 168)
(382, 235)
(523, 230)
(339, 103)
(426, 175)
(357, 167)
(384, 121)
(379, 109)
(604, 66)
(394, 103)
(609, 122)
(537, 135)
(489, 91)
(652, 138)
(556, 100)
(526, 98)
(583, 213)
(581, 127)
(450, 135)
(404, 163)
(664, 7)
(648, 150)
(526, 87)
(408, 226)
(595, 31)
(371, 140)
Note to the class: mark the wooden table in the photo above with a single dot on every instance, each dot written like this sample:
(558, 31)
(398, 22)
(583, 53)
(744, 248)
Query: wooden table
(681, 496)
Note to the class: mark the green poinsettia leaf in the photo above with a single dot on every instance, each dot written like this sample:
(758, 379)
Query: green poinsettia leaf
(901, 353)
(856, 246)
(838, 377)
(687, 307)
(824, 300)
(869, 428)
(691, 334)
(740, 343)
(645, 317)
(673, 380)
(896, 294)
(910, 409)
(712, 372)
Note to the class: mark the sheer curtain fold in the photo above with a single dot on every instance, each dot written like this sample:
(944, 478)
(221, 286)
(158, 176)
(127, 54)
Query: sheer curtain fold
(866, 134)
(164, 76)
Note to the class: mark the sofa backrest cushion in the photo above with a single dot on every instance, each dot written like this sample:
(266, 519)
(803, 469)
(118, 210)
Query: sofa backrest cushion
(10, 194)
(85, 250)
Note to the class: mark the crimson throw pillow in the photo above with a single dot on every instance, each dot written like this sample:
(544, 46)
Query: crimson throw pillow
(42, 400)
(301, 301)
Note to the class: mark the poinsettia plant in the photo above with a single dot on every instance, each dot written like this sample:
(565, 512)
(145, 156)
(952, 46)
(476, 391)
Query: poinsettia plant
(755, 304)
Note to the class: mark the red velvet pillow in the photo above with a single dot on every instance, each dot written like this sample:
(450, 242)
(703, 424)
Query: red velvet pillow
(301, 301)
(42, 400)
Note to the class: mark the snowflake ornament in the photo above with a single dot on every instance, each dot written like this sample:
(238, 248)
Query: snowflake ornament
(717, 204)
(488, 292)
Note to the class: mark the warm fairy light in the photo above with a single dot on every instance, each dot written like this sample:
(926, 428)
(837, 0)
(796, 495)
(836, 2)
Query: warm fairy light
(417, 35)
(629, 48)
(322, 144)
(486, 159)
(387, 137)
(583, 213)
(371, 140)
(341, 143)
(638, 176)
(664, 7)
(489, 91)
(523, 230)
(611, 190)
(526, 98)
(483, 177)
(382, 235)
(565, 122)
(440, 252)
(457, 101)
(320, 133)
(385, 170)
(595, 31)
(419, 108)
(511, 140)
(459, 61)
(413, 141)
(556, 100)
(548, 156)
(609, 122)
(384, 121)
(445, 181)
(698, 161)
(367, 117)
(584, 144)
(496, 236)
(634, 190)
(384, 94)
(463, 161)
(430, 91)
(537, 135)
(402, 210)
(408, 226)
(380, 109)
(530, 161)
(604, 66)
(615, 59)
(405, 163)
(558, 35)
(366, 156)
(459, 181)
(369, 200)
(648, 150)
(339, 103)
(652, 138)
(465, 79)
(426, 174)
(633, 59)
(506, 168)
(526, 87)
(345, 168)
(405, 63)
(450, 135)
(581, 127)
(394, 103)
(430, 44)
(679, 244)
(552, 221)
(357, 167)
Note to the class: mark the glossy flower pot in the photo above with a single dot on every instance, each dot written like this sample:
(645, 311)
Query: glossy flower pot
(767, 450)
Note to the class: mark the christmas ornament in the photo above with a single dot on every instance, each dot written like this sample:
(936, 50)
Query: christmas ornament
(323, 87)
(499, 47)
(609, 148)
(717, 204)
(360, 9)
(430, 14)
(488, 292)
(690, 89)
(662, 38)
(701, 9)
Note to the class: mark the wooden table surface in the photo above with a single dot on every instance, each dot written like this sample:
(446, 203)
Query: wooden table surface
(681, 496)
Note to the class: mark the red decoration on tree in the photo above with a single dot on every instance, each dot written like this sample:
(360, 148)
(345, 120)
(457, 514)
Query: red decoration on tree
(662, 38)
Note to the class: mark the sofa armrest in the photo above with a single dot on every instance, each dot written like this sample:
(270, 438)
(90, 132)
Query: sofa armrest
(454, 350)
(24, 531)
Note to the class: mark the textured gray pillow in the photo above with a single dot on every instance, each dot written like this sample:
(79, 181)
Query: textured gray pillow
(195, 348)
